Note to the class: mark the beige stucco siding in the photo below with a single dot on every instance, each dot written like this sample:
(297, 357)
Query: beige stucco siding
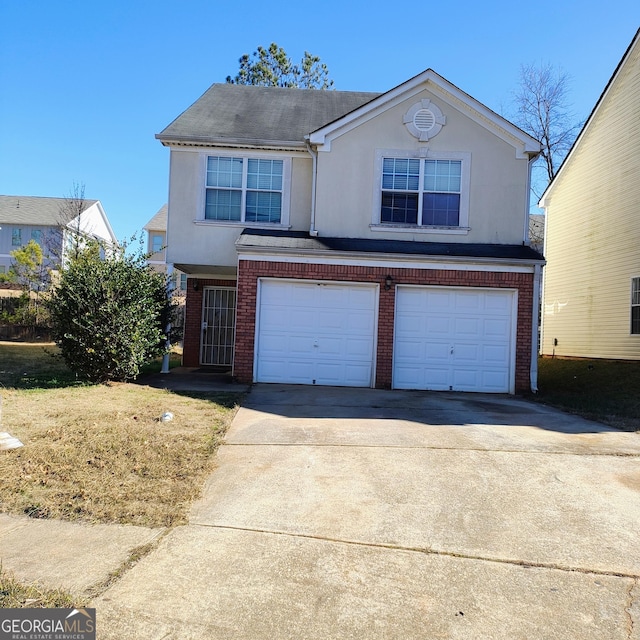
(349, 176)
(195, 241)
(593, 231)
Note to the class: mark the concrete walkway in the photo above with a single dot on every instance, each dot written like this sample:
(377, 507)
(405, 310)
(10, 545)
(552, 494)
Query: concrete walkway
(342, 513)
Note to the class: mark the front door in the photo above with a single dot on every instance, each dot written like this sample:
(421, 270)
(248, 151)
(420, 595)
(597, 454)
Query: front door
(218, 326)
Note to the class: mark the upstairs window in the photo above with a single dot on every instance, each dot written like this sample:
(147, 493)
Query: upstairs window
(157, 242)
(421, 192)
(16, 237)
(244, 189)
(635, 306)
(36, 236)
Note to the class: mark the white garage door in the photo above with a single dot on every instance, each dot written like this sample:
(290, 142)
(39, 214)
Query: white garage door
(454, 339)
(315, 333)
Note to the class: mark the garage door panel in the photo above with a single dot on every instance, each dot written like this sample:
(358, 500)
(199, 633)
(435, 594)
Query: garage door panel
(275, 344)
(359, 321)
(466, 353)
(496, 327)
(436, 325)
(495, 355)
(460, 338)
(298, 371)
(467, 328)
(316, 333)
(436, 351)
(466, 302)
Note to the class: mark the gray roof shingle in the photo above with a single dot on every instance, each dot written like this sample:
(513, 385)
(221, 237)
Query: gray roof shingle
(159, 221)
(37, 211)
(246, 113)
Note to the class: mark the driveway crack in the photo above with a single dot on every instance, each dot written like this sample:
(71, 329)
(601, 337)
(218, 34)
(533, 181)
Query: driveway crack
(633, 605)
(443, 553)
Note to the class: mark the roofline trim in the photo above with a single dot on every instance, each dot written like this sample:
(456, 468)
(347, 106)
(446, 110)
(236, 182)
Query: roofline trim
(528, 144)
(259, 251)
(203, 141)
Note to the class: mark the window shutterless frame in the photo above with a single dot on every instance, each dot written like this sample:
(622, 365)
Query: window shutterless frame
(635, 306)
(427, 191)
(246, 189)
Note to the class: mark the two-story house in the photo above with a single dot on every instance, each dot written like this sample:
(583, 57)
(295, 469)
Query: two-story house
(592, 284)
(51, 222)
(355, 239)
(156, 230)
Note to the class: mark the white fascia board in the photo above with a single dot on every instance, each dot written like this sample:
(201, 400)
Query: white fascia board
(524, 144)
(235, 143)
(451, 263)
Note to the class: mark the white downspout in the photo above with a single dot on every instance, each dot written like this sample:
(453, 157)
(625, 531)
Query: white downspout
(537, 278)
(314, 155)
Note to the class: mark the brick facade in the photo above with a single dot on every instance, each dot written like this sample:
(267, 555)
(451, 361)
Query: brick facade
(250, 271)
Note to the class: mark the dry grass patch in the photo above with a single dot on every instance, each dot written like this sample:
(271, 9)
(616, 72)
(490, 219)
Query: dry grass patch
(15, 595)
(100, 453)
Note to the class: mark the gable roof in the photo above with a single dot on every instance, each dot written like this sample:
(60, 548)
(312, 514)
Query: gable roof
(246, 114)
(525, 144)
(37, 211)
(249, 115)
(634, 42)
(159, 221)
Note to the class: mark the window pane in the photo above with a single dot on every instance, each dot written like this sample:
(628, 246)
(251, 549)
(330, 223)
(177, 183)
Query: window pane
(402, 174)
(224, 172)
(441, 209)
(157, 242)
(16, 237)
(222, 205)
(401, 208)
(36, 235)
(635, 291)
(635, 319)
(263, 206)
(442, 175)
(264, 174)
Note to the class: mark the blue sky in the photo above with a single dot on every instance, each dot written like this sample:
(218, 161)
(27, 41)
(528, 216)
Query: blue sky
(86, 85)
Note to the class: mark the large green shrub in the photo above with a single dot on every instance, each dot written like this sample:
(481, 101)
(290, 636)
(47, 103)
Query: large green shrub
(109, 314)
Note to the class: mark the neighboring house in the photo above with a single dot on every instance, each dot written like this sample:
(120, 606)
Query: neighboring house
(156, 230)
(591, 305)
(50, 222)
(536, 231)
(355, 239)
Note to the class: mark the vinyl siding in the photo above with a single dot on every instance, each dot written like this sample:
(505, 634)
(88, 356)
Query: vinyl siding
(593, 231)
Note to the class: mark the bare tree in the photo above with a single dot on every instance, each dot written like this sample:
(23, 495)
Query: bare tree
(543, 111)
(65, 241)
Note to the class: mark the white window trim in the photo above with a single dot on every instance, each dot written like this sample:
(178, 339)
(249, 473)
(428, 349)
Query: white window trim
(422, 154)
(260, 155)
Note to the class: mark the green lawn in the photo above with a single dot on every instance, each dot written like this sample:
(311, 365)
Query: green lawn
(603, 390)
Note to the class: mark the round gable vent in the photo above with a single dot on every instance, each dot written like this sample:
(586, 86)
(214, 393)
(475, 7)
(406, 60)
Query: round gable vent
(424, 120)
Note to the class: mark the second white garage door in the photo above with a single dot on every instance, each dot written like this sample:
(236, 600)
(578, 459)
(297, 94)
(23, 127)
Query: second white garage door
(315, 333)
(454, 339)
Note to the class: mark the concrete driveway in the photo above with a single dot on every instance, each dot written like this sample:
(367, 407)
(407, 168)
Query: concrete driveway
(342, 513)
